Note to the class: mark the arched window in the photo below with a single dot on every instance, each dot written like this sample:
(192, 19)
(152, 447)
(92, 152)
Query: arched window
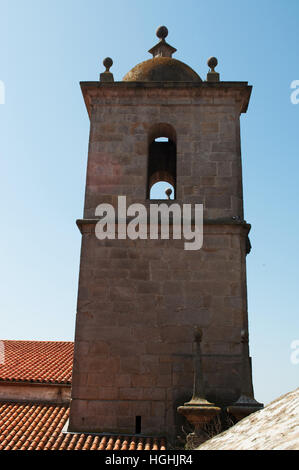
(162, 190)
(161, 157)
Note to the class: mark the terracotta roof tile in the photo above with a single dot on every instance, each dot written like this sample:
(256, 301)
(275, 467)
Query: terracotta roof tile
(27, 426)
(37, 361)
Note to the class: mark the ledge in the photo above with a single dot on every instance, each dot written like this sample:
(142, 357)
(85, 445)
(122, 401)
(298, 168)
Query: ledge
(221, 221)
(99, 87)
(125, 84)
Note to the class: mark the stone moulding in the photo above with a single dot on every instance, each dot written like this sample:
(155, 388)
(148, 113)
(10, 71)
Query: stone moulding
(114, 90)
(225, 221)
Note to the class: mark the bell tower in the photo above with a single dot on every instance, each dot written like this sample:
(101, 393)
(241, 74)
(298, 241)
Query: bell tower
(140, 300)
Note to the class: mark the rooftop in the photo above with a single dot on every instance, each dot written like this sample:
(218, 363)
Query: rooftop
(162, 67)
(276, 427)
(36, 361)
(40, 427)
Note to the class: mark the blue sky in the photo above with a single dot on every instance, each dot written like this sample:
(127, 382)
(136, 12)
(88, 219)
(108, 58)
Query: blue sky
(47, 47)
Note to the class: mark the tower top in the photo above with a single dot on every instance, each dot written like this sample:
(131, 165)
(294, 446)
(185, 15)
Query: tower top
(162, 67)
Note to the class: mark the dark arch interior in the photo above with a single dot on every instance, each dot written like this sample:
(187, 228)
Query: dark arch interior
(162, 157)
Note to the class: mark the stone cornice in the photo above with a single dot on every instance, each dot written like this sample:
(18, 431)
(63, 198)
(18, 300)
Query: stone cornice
(113, 90)
(225, 221)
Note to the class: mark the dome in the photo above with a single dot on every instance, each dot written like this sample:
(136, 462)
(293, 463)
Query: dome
(162, 69)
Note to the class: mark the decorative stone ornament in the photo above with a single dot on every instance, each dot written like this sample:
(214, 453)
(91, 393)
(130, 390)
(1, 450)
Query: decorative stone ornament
(162, 67)
(162, 49)
(212, 76)
(198, 411)
(162, 32)
(107, 76)
(246, 404)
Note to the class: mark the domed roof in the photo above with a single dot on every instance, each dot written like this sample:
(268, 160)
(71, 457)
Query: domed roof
(162, 69)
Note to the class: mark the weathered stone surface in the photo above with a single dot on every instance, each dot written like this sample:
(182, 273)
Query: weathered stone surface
(151, 321)
(139, 300)
(276, 427)
(207, 145)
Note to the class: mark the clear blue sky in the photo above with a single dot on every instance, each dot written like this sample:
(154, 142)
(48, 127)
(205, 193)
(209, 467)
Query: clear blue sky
(47, 47)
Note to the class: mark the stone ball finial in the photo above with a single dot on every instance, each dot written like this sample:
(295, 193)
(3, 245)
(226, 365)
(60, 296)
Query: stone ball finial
(162, 32)
(108, 62)
(168, 192)
(212, 63)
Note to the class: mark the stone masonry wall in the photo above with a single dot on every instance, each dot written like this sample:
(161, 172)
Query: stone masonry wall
(139, 301)
(138, 304)
(208, 146)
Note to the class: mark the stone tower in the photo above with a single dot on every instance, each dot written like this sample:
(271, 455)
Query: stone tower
(139, 300)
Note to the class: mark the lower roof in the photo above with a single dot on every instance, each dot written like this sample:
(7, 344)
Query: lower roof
(49, 362)
(276, 427)
(33, 426)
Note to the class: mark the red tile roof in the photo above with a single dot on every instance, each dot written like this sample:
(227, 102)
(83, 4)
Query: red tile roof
(36, 361)
(26, 426)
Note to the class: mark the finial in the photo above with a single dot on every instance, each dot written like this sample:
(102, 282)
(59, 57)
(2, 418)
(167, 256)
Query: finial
(198, 411)
(212, 76)
(107, 76)
(162, 32)
(162, 49)
(246, 402)
(108, 62)
(212, 63)
(168, 192)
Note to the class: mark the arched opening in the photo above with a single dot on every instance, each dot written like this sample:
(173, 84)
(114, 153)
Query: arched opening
(161, 159)
(161, 189)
